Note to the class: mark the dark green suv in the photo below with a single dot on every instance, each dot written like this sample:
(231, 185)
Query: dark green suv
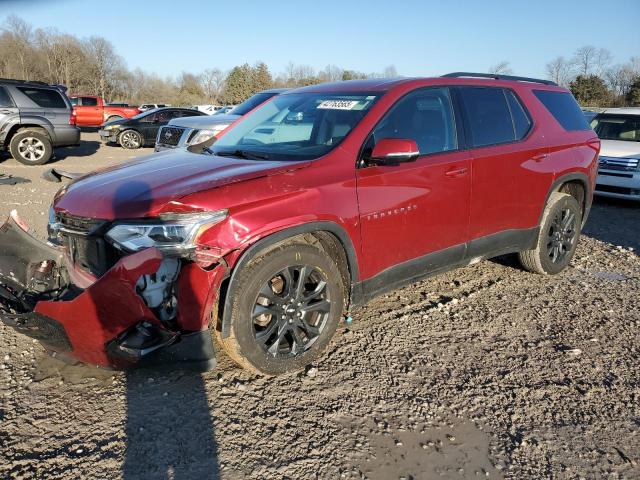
(34, 118)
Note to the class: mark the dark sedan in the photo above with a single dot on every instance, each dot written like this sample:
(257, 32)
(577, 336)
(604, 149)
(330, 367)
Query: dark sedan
(141, 130)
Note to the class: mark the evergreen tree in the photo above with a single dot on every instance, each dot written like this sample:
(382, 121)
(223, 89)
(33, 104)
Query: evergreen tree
(590, 90)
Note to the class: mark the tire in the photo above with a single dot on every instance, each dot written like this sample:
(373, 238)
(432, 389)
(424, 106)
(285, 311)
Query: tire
(558, 237)
(31, 147)
(114, 118)
(130, 139)
(270, 332)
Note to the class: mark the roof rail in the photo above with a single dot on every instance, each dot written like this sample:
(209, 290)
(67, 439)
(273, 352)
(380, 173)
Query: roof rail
(15, 80)
(499, 77)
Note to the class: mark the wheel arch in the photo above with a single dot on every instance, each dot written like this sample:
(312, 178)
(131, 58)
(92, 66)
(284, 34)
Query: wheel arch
(326, 232)
(17, 127)
(575, 184)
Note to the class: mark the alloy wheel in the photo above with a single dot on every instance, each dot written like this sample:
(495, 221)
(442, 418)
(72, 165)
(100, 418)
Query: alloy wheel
(562, 232)
(31, 149)
(291, 311)
(130, 140)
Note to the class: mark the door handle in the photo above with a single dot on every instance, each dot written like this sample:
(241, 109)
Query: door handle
(539, 157)
(456, 172)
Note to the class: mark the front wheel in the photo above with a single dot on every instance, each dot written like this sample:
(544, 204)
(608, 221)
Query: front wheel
(285, 306)
(558, 236)
(130, 139)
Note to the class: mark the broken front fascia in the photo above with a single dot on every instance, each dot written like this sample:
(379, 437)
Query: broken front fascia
(107, 323)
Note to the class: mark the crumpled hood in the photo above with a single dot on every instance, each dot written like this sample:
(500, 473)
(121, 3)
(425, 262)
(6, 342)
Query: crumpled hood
(140, 188)
(619, 148)
(202, 122)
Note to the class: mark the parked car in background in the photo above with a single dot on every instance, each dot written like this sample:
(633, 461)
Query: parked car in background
(184, 132)
(117, 104)
(209, 109)
(223, 110)
(151, 106)
(142, 130)
(93, 111)
(619, 167)
(267, 245)
(34, 119)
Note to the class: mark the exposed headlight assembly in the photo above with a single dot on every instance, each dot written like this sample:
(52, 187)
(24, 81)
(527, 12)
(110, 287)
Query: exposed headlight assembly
(173, 234)
(204, 135)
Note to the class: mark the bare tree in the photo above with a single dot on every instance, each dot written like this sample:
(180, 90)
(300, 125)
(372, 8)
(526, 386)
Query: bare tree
(502, 68)
(560, 70)
(212, 82)
(390, 72)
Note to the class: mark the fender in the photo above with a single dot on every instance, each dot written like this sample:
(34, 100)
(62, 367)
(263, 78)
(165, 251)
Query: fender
(27, 120)
(558, 182)
(281, 235)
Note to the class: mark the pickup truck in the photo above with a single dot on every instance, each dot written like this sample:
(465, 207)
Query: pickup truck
(92, 111)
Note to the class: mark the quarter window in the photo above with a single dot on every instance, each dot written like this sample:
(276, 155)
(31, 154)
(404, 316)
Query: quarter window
(43, 97)
(426, 116)
(5, 99)
(564, 109)
(488, 116)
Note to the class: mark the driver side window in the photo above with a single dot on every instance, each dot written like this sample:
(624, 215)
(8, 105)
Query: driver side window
(424, 115)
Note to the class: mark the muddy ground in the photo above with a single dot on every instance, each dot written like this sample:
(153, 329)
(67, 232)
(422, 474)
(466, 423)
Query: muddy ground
(487, 371)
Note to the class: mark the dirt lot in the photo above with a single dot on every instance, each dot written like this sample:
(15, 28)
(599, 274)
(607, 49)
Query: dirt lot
(487, 371)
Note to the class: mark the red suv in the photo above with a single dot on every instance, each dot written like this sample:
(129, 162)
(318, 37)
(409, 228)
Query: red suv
(318, 200)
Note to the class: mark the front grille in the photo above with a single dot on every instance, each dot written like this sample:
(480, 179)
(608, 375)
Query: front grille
(79, 224)
(619, 163)
(613, 189)
(83, 239)
(170, 135)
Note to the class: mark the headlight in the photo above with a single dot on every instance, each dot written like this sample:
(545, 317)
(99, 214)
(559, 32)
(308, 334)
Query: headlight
(111, 127)
(204, 135)
(173, 234)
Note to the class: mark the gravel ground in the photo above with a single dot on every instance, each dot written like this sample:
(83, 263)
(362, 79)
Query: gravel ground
(487, 371)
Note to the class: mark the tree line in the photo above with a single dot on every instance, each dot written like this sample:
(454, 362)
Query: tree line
(93, 66)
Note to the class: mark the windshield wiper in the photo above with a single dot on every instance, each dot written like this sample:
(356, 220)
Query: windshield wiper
(243, 154)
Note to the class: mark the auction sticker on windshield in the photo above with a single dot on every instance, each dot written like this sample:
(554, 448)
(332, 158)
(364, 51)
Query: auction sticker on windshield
(338, 104)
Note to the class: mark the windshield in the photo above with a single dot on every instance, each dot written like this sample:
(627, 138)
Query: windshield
(144, 114)
(617, 127)
(251, 103)
(295, 126)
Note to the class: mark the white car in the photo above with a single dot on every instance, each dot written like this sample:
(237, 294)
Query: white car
(152, 106)
(619, 169)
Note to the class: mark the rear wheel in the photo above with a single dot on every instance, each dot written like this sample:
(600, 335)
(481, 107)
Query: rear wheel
(285, 306)
(31, 147)
(130, 139)
(558, 236)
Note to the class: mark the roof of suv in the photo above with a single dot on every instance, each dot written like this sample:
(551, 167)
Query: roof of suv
(461, 78)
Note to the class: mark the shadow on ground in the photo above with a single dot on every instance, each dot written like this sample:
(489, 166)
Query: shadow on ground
(169, 427)
(615, 221)
(85, 149)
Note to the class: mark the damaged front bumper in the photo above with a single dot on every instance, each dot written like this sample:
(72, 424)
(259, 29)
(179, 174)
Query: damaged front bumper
(107, 323)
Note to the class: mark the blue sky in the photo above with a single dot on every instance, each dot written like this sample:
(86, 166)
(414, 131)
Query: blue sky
(420, 38)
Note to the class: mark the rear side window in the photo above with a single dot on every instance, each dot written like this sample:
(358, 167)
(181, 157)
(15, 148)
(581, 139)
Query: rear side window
(488, 115)
(5, 99)
(564, 109)
(521, 121)
(89, 102)
(44, 98)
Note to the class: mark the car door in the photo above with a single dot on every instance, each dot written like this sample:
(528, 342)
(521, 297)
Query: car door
(88, 112)
(416, 210)
(510, 180)
(162, 117)
(9, 113)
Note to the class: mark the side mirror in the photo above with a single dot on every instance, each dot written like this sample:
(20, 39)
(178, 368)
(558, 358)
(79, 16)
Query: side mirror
(395, 150)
